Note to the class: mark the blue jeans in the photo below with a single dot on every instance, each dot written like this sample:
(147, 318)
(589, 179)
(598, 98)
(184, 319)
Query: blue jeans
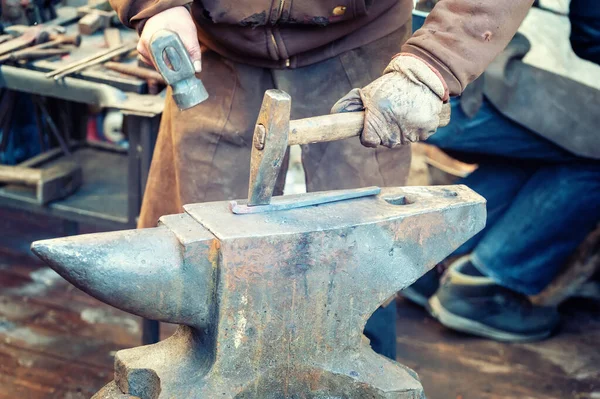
(381, 330)
(542, 201)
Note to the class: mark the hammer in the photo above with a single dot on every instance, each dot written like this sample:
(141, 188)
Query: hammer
(36, 34)
(174, 64)
(274, 131)
(55, 40)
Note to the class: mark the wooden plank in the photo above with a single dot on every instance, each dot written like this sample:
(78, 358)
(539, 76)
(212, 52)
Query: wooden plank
(80, 320)
(27, 374)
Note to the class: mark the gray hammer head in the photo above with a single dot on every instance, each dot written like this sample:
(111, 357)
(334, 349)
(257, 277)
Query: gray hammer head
(269, 146)
(174, 64)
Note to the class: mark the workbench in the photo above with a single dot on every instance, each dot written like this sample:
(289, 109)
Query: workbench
(113, 178)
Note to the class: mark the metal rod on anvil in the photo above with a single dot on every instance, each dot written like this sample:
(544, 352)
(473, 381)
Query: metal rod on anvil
(286, 202)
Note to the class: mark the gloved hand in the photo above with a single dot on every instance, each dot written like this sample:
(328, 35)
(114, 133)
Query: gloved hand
(177, 19)
(404, 105)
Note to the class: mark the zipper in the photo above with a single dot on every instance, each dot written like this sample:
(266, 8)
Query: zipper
(280, 11)
(274, 41)
(279, 14)
(287, 60)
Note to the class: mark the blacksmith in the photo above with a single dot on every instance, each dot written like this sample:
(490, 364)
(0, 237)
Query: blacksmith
(317, 51)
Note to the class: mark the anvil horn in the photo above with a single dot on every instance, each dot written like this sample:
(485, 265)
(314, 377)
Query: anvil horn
(138, 271)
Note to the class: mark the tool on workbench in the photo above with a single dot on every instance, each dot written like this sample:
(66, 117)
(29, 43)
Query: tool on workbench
(94, 21)
(173, 62)
(41, 50)
(60, 39)
(133, 70)
(153, 79)
(18, 30)
(50, 183)
(29, 36)
(274, 132)
(95, 16)
(91, 60)
(112, 37)
(33, 55)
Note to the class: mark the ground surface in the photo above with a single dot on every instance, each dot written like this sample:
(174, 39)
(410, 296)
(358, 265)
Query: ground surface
(57, 342)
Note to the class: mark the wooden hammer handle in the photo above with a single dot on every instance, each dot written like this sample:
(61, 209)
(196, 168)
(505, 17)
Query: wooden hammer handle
(59, 38)
(337, 127)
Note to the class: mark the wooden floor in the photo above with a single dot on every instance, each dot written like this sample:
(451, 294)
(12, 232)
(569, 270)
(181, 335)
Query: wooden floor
(56, 342)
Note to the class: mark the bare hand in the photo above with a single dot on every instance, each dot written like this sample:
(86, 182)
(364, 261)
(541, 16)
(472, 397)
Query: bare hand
(176, 19)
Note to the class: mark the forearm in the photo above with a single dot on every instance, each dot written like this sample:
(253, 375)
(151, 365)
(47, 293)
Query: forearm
(461, 37)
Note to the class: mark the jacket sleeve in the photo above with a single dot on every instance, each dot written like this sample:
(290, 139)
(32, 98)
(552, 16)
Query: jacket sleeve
(461, 37)
(134, 13)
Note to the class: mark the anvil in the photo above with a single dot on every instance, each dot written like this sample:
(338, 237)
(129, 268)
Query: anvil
(270, 305)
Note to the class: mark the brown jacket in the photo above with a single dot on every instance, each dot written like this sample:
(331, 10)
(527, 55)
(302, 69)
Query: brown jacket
(460, 37)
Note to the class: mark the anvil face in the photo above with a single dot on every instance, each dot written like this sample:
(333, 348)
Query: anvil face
(272, 305)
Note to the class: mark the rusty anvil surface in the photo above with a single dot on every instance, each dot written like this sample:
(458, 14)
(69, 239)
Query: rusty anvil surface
(270, 305)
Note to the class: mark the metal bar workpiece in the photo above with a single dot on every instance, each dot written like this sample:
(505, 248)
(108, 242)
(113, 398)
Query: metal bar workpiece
(285, 202)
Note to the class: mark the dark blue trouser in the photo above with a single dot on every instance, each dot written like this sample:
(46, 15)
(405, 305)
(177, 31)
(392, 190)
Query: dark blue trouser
(381, 331)
(542, 200)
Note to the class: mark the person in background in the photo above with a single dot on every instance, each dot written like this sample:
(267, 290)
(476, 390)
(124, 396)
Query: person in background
(531, 122)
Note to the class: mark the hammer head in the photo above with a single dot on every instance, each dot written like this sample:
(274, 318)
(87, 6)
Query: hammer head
(174, 64)
(269, 145)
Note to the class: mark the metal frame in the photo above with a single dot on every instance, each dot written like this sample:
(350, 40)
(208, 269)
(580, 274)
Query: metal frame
(82, 91)
(142, 116)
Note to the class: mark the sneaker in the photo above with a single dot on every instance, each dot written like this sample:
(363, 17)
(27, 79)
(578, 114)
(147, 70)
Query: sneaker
(421, 290)
(477, 305)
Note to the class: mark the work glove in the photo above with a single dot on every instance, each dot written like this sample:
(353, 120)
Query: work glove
(176, 19)
(404, 105)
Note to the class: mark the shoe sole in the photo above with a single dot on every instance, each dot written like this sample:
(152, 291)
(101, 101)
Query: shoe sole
(415, 297)
(463, 324)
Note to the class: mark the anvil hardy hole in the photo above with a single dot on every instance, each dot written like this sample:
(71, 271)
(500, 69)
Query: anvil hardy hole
(402, 200)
